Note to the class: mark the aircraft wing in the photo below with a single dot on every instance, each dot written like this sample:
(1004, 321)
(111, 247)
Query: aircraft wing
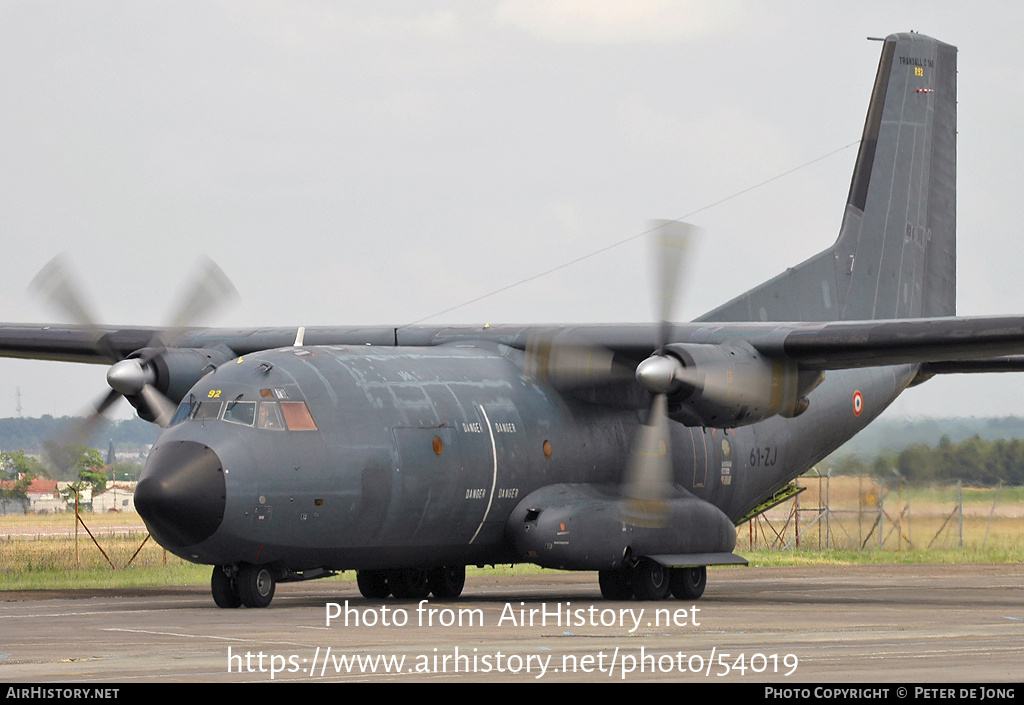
(738, 367)
(87, 344)
(104, 345)
(919, 340)
(945, 344)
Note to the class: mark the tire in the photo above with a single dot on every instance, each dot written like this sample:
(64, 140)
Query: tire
(688, 583)
(225, 595)
(255, 585)
(616, 584)
(409, 583)
(373, 584)
(650, 580)
(447, 581)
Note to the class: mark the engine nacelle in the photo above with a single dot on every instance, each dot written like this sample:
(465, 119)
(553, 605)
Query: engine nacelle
(581, 527)
(724, 386)
(173, 371)
(178, 369)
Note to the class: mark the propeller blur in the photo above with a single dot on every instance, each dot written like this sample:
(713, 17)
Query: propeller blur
(408, 453)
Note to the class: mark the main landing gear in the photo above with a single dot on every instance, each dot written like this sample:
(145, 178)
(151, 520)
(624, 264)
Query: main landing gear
(649, 580)
(412, 583)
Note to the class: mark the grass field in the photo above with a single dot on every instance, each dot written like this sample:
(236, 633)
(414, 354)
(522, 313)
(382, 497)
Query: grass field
(919, 525)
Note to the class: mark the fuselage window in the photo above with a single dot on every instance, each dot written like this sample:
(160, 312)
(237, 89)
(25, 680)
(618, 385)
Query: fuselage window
(240, 412)
(297, 416)
(269, 416)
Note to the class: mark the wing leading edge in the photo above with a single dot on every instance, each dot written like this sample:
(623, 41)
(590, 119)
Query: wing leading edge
(946, 344)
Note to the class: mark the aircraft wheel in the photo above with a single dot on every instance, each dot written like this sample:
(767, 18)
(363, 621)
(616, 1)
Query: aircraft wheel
(255, 585)
(688, 583)
(447, 581)
(225, 594)
(615, 584)
(373, 584)
(409, 583)
(650, 580)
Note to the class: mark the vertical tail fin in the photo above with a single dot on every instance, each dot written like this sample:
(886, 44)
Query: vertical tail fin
(896, 252)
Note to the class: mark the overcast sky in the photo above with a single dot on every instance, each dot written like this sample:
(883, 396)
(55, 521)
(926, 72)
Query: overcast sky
(358, 162)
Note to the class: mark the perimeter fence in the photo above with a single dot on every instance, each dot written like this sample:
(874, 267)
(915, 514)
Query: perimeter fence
(863, 513)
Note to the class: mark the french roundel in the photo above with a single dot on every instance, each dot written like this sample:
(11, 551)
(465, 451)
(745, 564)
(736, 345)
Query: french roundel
(858, 403)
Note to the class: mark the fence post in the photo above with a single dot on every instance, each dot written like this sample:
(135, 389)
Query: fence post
(796, 519)
(992, 511)
(860, 510)
(960, 506)
(881, 520)
(898, 522)
(828, 509)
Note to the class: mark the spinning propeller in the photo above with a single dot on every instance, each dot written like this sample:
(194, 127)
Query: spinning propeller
(569, 365)
(134, 376)
(648, 478)
(722, 385)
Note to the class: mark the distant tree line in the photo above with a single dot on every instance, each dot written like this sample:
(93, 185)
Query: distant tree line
(974, 460)
(893, 435)
(31, 434)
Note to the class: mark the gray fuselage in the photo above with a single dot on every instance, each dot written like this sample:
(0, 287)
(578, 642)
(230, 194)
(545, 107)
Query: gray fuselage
(420, 455)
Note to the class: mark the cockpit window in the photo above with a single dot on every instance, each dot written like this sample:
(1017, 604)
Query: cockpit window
(297, 416)
(205, 410)
(182, 412)
(193, 409)
(240, 412)
(269, 416)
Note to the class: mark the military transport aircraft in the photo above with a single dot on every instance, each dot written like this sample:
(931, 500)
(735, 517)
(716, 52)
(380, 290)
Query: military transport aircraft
(409, 453)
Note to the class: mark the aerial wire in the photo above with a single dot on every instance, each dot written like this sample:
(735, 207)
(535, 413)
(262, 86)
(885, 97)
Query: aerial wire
(629, 239)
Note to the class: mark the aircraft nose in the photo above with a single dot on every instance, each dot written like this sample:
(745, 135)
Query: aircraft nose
(181, 494)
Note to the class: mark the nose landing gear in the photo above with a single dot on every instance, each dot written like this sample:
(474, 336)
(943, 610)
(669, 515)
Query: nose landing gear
(222, 585)
(249, 585)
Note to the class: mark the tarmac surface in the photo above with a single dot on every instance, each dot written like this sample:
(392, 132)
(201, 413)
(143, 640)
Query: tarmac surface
(870, 624)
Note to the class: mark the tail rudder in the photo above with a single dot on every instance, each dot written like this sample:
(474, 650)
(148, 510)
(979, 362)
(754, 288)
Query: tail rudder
(896, 252)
